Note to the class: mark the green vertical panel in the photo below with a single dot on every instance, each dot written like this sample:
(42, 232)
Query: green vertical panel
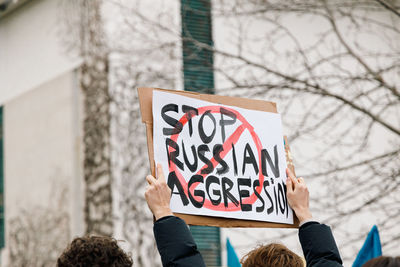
(199, 76)
(196, 43)
(1, 181)
(208, 240)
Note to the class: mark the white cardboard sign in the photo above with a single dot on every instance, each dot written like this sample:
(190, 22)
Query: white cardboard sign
(221, 160)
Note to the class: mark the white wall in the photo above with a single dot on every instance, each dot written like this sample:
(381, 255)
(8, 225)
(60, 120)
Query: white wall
(42, 148)
(42, 115)
(31, 52)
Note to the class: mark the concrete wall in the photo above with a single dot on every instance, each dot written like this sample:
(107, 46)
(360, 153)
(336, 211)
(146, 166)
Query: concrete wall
(31, 50)
(43, 158)
(42, 121)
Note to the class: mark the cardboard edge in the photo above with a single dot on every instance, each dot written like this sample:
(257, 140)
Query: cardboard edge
(290, 165)
(289, 158)
(230, 222)
(150, 149)
(146, 95)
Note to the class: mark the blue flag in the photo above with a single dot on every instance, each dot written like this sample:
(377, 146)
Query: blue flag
(233, 260)
(371, 249)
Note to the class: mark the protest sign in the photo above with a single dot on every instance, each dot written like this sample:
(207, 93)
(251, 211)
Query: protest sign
(223, 157)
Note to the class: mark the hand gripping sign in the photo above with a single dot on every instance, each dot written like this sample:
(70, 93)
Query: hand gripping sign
(221, 161)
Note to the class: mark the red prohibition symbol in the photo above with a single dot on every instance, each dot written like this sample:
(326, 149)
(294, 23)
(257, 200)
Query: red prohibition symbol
(227, 146)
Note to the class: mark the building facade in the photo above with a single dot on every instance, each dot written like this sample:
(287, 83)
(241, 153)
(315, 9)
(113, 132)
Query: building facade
(41, 120)
(49, 107)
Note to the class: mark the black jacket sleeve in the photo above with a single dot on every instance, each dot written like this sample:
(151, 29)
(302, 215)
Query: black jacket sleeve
(175, 243)
(319, 245)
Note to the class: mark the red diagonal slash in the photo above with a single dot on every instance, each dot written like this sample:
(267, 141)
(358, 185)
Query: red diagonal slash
(227, 146)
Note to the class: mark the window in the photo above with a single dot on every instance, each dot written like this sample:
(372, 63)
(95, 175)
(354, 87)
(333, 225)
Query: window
(199, 76)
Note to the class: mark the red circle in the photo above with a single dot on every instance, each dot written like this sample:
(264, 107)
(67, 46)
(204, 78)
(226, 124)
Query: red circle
(241, 128)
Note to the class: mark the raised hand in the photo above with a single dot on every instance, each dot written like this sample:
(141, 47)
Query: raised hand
(158, 194)
(298, 196)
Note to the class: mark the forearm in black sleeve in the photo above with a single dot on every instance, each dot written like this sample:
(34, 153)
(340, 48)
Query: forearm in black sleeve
(175, 243)
(319, 246)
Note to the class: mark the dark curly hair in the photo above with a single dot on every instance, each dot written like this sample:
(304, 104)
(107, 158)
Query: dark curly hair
(94, 251)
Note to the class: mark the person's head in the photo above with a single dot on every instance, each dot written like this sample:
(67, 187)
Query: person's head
(383, 261)
(96, 251)
(276, 255)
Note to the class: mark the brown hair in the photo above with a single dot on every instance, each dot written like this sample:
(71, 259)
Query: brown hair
(99, 251)
(276, 255)
(383, 261)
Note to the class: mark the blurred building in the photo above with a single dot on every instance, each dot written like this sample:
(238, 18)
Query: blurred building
(40, 116)
(70, 125)
(42, 113)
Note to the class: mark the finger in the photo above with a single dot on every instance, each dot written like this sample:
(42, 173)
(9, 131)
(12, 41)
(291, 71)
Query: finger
(301, 180)
(291, 176)
(146, 192)
(150, 179)
(160, 173)
(289, 185)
